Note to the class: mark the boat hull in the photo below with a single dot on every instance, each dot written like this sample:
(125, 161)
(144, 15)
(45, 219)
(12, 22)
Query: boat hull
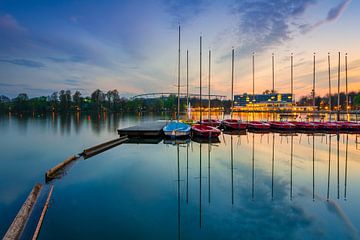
(233, 124)
(176, 129)
(200, 130)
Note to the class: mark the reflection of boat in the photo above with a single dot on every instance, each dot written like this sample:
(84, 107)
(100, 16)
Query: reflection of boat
(257, 125)
(281, 125)
(177, 129)
(233, 124)
(202, 130)
(176, 141)
(235, 132)
(205, 140)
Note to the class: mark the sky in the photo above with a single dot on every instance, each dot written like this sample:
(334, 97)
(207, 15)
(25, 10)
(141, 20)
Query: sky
(132, 46)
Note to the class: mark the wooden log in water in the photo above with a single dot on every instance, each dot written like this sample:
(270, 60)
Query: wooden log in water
(53, 172)
(41, 219)
(89, 152)
(17, 226)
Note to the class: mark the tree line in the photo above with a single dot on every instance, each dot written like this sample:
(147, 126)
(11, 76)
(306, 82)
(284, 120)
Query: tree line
(66, 101)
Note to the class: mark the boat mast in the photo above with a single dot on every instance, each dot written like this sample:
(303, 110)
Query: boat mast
(329, 85)
(200, 78)
(273, 83)
(209, 85)
(187, 78)
(338, 100)
(292, 78)
(346, 86)
(253, 78)
(232, 83)
(273, 74)
(178, 103)
(313, 91)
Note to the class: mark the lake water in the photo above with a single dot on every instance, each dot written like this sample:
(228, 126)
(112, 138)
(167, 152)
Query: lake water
(253, 186)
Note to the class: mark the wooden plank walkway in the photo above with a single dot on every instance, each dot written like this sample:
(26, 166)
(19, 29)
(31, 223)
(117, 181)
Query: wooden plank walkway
(145, 129)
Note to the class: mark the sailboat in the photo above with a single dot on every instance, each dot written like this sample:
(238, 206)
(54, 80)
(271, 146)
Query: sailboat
(233, 124)
(202, 130)
(177, 128)
(209, 121)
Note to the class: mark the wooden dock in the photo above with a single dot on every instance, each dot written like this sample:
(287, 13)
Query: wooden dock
(145, 129)
(89, 152)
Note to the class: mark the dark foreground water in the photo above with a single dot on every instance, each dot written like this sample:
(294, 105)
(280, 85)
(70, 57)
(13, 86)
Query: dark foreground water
(254, 186)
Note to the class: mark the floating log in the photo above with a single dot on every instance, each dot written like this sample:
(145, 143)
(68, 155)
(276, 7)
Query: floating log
(28, 221)
(41, 219)
(89, 152)
(58, 169)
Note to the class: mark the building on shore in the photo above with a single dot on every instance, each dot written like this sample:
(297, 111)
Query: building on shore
(268, 102)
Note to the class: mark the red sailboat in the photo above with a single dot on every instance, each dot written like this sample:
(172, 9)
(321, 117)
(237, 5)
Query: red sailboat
(348, 126)
(203, 130)
(233, 124)
(211, 122)
(257, 125)
(329, 126)
(282, 125)
(307, 126)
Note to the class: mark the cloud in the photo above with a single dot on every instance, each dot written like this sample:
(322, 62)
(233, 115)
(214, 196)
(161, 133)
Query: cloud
(9, 23)
(24, 62)
(75, 59)
(333, 14)
(72, 82)
(265, 23)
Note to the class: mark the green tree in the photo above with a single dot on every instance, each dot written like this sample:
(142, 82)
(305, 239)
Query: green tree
(356, 101)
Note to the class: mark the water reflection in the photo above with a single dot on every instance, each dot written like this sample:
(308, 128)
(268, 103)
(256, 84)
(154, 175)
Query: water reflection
(242, 185)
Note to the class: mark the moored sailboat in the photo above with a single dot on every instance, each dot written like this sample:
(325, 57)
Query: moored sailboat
(177, 128)
(200, 129)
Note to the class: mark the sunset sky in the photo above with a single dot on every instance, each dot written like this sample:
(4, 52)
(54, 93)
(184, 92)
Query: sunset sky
(131, 46)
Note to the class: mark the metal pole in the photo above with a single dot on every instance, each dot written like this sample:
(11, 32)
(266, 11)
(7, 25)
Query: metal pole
(338, 100)
(346, 82)
(292, 78)
(200, 78)
(232, 83)
(313, 92)
(187, 78)
(273, 74)
(253, 75)
(209, 111)
(178, 106)
(330, 107)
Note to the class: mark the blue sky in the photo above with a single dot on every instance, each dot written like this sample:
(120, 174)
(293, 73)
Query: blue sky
(132, 45)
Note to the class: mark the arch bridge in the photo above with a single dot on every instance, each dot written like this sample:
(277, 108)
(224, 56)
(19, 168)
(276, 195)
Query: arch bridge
(182, 95)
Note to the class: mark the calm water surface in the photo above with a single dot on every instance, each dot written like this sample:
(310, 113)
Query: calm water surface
(253, 186)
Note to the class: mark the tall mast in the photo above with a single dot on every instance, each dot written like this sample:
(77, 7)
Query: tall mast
(209, 83)
(338, 100)
(346, 88)
(253, 76)
(187, 78)
(178, 103)
(200, 78)
(273, 73)
(313, 91)
(232, 83)
(292, 78)
(329, 85)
